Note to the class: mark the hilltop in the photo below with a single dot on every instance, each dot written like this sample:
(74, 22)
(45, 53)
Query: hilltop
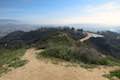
(46, 38)
(69, 45)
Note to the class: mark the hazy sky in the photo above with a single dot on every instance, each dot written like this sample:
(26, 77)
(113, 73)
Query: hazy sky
(62, 11)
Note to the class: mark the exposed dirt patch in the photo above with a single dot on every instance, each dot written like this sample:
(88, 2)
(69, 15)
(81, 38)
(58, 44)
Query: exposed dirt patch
(89, 35)
(39, 70)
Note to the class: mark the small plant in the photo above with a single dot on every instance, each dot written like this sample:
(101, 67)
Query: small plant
(3, 70)
(113, 74)
(17, 63)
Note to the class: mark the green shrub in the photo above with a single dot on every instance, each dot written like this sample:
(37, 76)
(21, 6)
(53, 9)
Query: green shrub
(71, 54)
(11, 58)
(62, 52)
(17, 63)
(8, 55)
(113, 74)
(3, 70)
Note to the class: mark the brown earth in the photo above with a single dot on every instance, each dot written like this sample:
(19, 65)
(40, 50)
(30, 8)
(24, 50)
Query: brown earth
(40, 70)
(89, 35)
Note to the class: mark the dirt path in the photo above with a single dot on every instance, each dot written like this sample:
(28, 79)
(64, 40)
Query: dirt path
(89, 35)
(39, 70)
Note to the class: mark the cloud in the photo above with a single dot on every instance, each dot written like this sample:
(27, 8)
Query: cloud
(107, 13)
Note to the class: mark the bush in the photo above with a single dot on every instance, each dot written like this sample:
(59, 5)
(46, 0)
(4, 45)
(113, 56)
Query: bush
(9, 55)
(71, 54)
(11, 58)
(61, 52)
(113, 74)
(17, 63)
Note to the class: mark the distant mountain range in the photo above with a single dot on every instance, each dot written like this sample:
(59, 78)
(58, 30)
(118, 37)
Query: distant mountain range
(9, 25)
(7, 28)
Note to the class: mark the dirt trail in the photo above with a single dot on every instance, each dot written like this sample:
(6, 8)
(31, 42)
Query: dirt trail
(39, 70)
(89, 35)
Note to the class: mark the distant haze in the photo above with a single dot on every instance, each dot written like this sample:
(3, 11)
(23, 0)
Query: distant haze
(9, 25)
(62, 11)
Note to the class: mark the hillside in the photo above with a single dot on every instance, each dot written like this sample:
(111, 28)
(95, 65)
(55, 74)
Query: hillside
(36, 36)
(48, 37)
(44, 70)
(67, 45)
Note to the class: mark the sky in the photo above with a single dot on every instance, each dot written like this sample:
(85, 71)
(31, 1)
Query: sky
(62, 11)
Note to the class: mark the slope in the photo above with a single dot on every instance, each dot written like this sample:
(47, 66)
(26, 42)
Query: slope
(40, 70)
